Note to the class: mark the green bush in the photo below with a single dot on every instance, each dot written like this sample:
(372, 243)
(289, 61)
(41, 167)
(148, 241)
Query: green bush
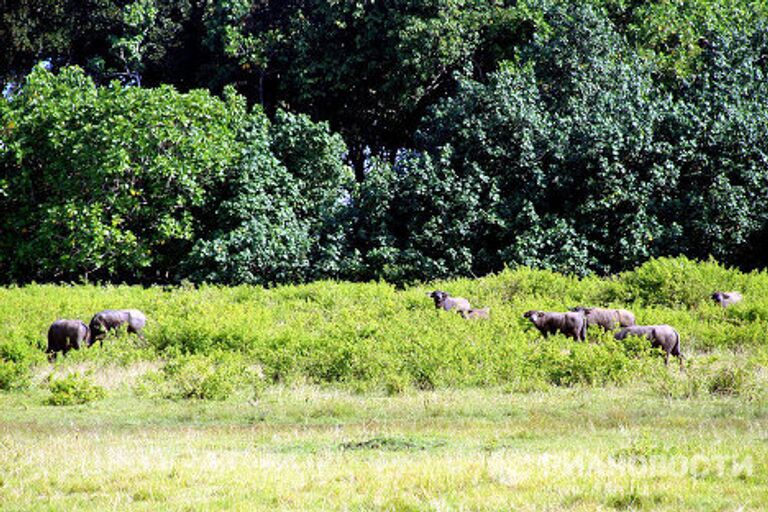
(573, 156)
(13, 375)
(564, 363)
(575, 136)
(670, 32)
(73, 389)
(720, 374)
(676, 282)
(280, 218)
(16, 357)
(728, 377)
(376, 336)
(17, 351)
(727, 381)
(677, 385)
(201, 377)
(395, 384)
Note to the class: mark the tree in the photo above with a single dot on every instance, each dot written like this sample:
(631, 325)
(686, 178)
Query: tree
(282, 216)
(154, 41)
(370, 69)
(104, 181)
(718, 129)
(257, 236)
(574, 157)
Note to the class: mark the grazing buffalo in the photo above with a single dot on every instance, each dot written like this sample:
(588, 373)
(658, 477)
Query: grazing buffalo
(443, 300)
(65, 335)
(663, 336)
(571, 324)
(608, 319)
(725, 299)
(484, 313)
(111, 319)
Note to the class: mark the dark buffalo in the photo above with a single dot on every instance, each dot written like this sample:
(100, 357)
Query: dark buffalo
(65, 335)
(111, 319)
(663, 336)
(573, 325)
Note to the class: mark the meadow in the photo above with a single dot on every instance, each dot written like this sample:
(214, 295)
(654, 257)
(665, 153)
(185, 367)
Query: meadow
(359, 396)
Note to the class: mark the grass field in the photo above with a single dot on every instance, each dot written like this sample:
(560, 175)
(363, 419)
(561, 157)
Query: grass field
(344, 396)
(305, 447)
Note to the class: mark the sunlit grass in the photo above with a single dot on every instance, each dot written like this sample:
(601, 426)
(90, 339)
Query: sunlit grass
(326, 448)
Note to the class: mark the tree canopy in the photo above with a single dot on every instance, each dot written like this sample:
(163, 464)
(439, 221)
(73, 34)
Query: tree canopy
(277, 141)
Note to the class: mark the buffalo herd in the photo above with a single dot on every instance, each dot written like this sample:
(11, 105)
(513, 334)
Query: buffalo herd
(65, 335)
(574, 323)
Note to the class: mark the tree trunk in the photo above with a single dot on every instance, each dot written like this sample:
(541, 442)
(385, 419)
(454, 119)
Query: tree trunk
(357, 161)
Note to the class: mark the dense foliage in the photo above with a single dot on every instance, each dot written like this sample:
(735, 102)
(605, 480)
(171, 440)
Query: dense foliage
(103, 180)
(213, 341)
(574, 158)
(281, 220)
(128, 182)
(401, 140)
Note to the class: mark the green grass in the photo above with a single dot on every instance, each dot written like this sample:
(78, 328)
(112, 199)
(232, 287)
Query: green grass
(325, 448)
(341, 396)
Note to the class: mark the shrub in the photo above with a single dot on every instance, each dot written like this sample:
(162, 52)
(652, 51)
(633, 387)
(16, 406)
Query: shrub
(13, 375)
(374, 336)
(678, 281)
(281, 219)
(732, 377)
(200, 377)
(565, 363)
(73, 389)
(395, 384)
(15, 359)
(727, 381)
(18, 352)
(575, 157)
(715, 375)
(678, 385)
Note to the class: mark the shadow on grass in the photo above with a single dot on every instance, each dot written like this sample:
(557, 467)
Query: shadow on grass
(385, 443)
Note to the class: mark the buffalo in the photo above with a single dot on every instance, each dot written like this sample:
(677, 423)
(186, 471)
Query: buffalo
(443, 300)
(65, 335)
(571, 324)
(726, 299)
(608, 319)
(663, 336)
(111, 319)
